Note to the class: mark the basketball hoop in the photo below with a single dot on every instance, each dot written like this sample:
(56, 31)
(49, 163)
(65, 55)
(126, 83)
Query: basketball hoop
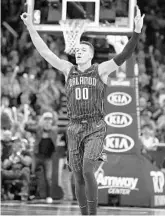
(72, 31)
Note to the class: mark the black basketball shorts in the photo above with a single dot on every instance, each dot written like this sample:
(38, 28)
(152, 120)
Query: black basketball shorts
(85, 140)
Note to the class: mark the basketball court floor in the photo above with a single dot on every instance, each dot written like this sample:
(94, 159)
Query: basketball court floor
(69, 208)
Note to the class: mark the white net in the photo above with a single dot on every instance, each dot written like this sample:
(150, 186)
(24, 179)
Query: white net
(72, 31)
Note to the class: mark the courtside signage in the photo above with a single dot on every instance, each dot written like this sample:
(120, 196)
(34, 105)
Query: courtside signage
(118, 143)
(158, 179)
(159, 200)
(120, 82)
(118, 119)
(116, 184)
(119, 98)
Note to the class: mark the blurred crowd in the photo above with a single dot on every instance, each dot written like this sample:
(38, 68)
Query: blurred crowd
(32, 92)
(32, 105)
(151, 62)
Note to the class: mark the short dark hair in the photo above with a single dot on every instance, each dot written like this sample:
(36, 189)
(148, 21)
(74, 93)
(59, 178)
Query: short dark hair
(88, 44)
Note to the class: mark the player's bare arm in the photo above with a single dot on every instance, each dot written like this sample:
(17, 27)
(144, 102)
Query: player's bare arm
(62, 65)
(108, 67)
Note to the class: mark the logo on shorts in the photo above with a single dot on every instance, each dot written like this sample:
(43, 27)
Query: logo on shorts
(118, 119)
(118, 143)
(119, 98)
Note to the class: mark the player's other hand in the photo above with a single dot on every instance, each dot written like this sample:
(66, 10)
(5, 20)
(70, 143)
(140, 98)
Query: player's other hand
(27, 19)
(138, 20)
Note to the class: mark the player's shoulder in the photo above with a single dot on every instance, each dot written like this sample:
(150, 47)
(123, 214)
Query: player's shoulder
(71, 71)
(95, 65)
(65, 66)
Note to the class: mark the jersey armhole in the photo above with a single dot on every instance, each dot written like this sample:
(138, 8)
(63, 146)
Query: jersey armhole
(68, 75)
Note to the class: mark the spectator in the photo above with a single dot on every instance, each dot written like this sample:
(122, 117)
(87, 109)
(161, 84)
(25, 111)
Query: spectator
(148, 138)
(45, 146)
(17, 166)
(49, 93)
(64, 178)
(149, 141)
(161, 123)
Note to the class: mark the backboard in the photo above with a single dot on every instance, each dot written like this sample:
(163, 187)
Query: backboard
(106, 17)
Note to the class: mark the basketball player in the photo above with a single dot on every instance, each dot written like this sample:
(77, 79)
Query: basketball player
(84, 89)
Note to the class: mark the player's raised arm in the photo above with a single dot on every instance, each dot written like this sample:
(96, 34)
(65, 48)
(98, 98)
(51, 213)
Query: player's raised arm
(45, 52)
(107, 67)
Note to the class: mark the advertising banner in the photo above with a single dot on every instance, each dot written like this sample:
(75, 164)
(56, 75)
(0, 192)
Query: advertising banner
(132, 180)
(128, 178)
(158, 180)
(123, 177)
(121, 117)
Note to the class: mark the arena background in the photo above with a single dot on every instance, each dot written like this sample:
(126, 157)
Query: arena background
(134, 98)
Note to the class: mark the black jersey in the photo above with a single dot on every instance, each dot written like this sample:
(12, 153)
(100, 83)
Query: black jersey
(85, 93)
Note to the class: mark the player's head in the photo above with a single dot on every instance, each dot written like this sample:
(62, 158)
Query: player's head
(84, 52)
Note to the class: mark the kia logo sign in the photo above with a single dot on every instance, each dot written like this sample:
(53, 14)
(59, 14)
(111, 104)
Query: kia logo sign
(118, 119)
(119, 98)
(118, 143)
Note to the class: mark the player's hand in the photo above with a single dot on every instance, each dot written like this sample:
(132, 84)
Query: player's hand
(26, 18)
(138, 20)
